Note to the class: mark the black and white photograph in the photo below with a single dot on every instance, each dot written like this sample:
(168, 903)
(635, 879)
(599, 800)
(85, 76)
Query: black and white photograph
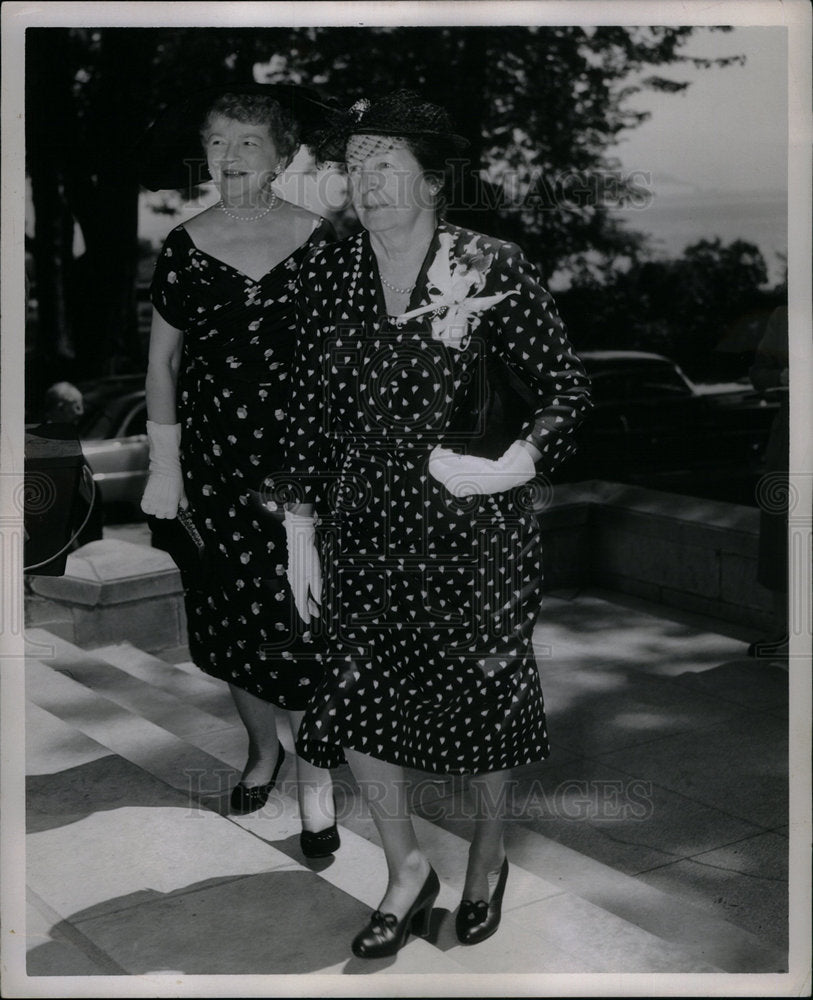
(406, 499)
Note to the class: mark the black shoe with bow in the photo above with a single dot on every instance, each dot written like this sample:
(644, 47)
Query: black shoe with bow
(386, 934)
(250, 798)
(478, 920)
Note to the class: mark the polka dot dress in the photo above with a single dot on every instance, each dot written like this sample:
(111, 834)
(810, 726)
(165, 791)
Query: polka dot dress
(233, 390)
(429, 601)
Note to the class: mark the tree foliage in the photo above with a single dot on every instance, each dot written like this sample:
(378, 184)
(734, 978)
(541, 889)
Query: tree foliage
(540, 106)
(706, 308)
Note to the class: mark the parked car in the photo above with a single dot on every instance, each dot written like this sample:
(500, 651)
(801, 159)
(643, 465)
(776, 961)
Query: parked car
(653, 426)
(650, 425)
(113, 434)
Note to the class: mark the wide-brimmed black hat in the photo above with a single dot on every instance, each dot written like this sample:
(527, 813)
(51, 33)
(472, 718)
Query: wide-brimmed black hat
(169, 155)
(401, 113)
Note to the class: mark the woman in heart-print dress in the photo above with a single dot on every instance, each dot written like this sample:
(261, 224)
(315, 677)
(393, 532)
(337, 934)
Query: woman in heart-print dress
(425, 553)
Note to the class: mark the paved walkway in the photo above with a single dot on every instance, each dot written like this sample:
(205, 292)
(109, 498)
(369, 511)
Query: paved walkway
(655, 840)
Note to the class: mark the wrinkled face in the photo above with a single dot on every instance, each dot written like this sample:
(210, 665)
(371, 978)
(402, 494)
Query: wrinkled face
(242, 157)
(388, 186)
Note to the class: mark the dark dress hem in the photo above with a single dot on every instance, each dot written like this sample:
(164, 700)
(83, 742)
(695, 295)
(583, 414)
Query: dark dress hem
(323, 755)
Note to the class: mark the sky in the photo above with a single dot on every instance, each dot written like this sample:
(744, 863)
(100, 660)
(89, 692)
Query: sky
(728, 131)
(715, 155)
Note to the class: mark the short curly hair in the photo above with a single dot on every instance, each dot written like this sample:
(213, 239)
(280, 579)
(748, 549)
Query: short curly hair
(258, 109)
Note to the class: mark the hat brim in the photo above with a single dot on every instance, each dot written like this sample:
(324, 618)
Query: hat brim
(332, 145)
(169, 154)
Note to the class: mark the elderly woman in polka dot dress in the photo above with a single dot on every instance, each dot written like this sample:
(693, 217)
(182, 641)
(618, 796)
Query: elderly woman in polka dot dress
(426, 540)
(222, 340)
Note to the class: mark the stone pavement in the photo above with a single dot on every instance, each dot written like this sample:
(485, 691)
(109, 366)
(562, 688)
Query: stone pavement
(654, 841)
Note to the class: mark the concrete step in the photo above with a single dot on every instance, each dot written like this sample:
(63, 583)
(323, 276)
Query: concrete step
(133, 874)
(125, 876)
(183, 679)
(148, 745)
(587, 918)
(178, 696)
(169, 709)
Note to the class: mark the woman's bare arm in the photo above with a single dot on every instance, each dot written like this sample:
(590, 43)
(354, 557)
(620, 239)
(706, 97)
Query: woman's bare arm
(166, 343)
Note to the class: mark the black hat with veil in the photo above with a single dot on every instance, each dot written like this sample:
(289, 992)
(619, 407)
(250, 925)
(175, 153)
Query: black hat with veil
(401, 114)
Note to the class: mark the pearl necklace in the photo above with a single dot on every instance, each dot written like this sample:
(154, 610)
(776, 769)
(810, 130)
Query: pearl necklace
(249, 218)
(395, 288)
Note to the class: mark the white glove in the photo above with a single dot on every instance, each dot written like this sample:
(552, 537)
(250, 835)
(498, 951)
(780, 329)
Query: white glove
(164, 491)
(464, 475)
(304, 569)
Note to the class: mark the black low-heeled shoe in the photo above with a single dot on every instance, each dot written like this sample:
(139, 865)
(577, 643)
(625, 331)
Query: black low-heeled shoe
(320, 844)
(323, 843)
(478, 920)
(774, 647)
(250, 798)
(386, 934)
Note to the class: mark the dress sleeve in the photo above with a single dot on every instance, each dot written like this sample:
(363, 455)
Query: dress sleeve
(166, 290)
(306, 447)
(529, 338)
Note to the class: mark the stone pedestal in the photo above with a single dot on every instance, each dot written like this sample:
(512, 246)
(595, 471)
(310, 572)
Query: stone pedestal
(112, 591)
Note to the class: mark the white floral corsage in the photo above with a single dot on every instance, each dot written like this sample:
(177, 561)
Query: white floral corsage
(454, 283)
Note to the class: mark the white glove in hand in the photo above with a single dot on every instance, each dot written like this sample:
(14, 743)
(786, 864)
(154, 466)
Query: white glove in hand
(464, 475)
(304, 569)
(164, 491)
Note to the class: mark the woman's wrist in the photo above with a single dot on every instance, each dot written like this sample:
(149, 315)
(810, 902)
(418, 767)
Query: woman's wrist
(299, 509)
(532, 450)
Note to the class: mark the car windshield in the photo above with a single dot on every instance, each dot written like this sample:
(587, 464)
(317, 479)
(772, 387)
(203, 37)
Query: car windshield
(110, 406)
(107, 417)
(639, 383)
(95, 421)
(658, 381)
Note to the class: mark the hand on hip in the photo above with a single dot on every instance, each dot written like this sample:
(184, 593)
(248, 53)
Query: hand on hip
(465, 475)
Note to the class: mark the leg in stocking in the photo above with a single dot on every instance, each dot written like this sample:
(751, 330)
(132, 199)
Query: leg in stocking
(314, 789)
(260, 720)
(384, 788)
(487, 850)
(481, 908)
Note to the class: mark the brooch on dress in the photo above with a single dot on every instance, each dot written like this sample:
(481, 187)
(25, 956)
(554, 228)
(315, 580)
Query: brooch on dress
(454, 284)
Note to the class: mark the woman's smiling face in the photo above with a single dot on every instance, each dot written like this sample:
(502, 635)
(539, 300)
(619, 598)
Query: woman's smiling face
(242, 156)
(387, 183)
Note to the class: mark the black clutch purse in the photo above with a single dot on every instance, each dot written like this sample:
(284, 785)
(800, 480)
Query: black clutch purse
(498, 407)
(179, 537)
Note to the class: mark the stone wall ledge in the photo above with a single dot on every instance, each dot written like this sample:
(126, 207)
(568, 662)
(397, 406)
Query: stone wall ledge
(696, 555)
(679, 551)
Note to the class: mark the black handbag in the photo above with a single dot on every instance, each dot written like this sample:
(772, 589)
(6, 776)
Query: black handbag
(503, 405)
(180, 538)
